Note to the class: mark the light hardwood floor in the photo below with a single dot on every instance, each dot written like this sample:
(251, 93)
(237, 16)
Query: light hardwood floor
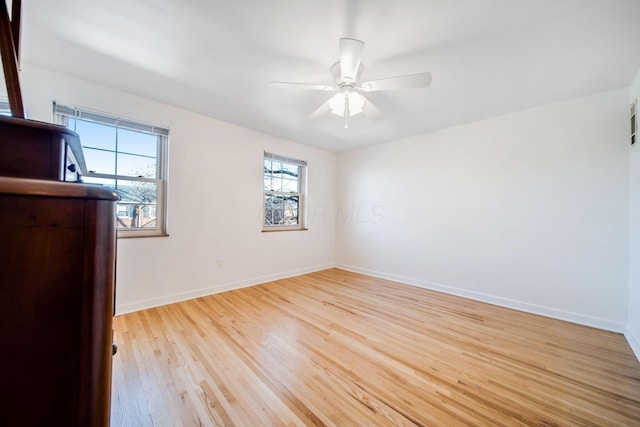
(339, 348)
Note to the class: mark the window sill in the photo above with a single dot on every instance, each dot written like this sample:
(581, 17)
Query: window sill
(133, 236)
(268, 230)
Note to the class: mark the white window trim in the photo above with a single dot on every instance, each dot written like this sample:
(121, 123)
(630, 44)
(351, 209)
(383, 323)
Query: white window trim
(302, 195)
(86, 114)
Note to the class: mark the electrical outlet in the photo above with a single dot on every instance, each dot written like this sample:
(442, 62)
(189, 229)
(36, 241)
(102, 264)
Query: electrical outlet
(219, 263)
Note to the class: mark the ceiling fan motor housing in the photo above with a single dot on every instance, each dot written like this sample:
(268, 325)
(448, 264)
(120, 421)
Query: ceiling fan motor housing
(337, 78)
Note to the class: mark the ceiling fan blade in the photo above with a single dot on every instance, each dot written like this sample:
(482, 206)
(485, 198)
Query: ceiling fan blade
(370, 111)
(400, 82)
(320, 110)
(350, 56)
(311, 86)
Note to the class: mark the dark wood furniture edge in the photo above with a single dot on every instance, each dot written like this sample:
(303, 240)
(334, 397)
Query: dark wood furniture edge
(16, 20)
(72, 138)
(38, 187)
(10, 62)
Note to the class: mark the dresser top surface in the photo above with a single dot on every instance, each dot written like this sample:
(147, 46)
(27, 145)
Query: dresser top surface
(47, 188)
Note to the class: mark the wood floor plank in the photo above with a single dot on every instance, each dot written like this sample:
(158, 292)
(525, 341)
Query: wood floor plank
(336, 348)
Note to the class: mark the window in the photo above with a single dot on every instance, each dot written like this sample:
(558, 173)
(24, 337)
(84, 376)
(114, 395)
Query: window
(128, 156)
(284, 191)
(5, 109)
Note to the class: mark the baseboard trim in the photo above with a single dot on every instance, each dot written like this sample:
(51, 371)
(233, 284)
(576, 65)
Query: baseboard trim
(184, 296)
(634, 342)
(568, 316)
(554, 313)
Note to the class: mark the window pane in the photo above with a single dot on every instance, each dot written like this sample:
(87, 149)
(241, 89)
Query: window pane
(278, 215)
(137, 205)
(95, 135)
(268, 176)
(276, 182)
(290, 208)
(268, 217)
(292, 217)
(289, 185)
(133, 142)
(100, 161)
(281, 210)
(271, 204)
(274, 206)
(276, 178)
(290, 170)
(99, 181)
(134, 165)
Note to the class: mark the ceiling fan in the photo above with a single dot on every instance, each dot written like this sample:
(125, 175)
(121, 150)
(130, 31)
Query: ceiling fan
(348, 99)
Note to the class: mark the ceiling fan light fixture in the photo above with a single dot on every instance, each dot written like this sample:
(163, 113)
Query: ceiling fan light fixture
(339, 101)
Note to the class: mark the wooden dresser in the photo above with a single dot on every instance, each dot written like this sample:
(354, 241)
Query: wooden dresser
(57, 285)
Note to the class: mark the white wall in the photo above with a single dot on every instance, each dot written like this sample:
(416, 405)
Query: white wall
(528, 210)
(215, 200)
(633, 326)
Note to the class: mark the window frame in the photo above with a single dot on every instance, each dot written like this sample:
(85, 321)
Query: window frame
(63, 113)
(302, 194)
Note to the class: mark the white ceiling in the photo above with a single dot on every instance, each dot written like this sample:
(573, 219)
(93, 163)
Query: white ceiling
(217, 57)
